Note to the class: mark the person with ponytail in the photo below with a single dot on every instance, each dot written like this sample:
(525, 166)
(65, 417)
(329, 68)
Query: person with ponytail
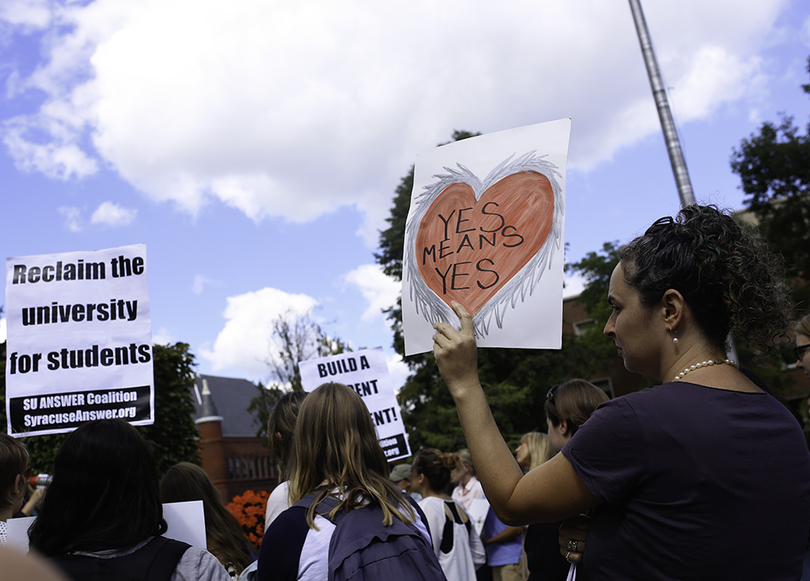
(455, 541)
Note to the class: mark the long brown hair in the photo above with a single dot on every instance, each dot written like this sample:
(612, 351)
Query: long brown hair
(13, 462)
(223, 535)
(573, 401)
(335, 443)
(281, 427)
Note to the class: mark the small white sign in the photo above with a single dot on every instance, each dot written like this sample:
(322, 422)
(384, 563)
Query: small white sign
(186, 522)
(366, 372)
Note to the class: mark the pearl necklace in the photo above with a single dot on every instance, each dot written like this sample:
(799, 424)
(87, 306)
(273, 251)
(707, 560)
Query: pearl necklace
(707, 363)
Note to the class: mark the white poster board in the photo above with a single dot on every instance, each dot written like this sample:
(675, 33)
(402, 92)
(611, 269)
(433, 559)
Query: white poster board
(186, 522)
(79, 340)
(366, 372)
(485, 228)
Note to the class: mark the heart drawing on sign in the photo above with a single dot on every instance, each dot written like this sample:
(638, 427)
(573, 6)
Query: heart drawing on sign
(484, 244)
(468, 249)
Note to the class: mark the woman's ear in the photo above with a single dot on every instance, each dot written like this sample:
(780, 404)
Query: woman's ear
(563, 427)
(16, 489)
(672, 308)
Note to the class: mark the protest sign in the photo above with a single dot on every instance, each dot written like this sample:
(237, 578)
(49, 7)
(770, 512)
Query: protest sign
(366, 372)
(485, 229)
(79, 340)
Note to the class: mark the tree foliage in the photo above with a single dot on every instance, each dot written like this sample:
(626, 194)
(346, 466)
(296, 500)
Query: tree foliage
(174, 434)
(299, 339)
(774, 168)
(514, 380)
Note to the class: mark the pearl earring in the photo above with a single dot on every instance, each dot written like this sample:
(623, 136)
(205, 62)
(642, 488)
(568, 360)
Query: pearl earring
(674, 335)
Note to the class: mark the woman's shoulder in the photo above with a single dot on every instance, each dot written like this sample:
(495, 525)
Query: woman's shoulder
(278, 502)
(430, 501)
(199, 564)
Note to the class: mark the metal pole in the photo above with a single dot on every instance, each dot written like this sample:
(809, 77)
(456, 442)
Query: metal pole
(664, 114)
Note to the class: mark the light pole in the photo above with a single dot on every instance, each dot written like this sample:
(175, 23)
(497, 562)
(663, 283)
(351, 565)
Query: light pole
(664, 114)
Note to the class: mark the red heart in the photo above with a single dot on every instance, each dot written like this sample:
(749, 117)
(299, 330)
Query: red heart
(466, 250)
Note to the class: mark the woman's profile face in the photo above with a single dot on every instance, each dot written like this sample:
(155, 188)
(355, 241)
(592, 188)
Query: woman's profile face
(522, 455)
(630, 326)
(555, 437)
(803, 351)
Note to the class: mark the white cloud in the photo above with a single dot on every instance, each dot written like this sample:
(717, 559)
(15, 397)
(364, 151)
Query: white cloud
(3, 329)
(58, 159)
(73, 218)
(111, 214)
(379, 290)
(805, 34)
(295, 109)
(398, 370)
(201, 281)
(574, 285)
(31, 14)
(164, 337)
(245, 342)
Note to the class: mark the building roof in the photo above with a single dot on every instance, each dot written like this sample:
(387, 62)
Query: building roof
(231, 398)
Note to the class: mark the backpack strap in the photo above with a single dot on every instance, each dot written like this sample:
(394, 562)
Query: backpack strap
(165, 562)
(325, 506)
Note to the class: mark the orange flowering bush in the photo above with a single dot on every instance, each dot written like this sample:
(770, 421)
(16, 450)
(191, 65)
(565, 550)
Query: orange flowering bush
(249, 510)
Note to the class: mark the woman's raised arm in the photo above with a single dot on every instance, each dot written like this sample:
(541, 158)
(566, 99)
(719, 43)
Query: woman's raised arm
(551, 491)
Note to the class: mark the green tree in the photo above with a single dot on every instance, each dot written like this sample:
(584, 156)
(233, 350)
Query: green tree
(515, 380)
(174, 434)
(300, 339)
(774, 168)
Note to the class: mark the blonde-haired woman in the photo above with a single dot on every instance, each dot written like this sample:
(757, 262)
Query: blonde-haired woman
(337, 466)
(533, 449)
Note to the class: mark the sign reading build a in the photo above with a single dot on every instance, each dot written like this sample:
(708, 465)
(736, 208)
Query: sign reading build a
(366, 372)
(79, 340)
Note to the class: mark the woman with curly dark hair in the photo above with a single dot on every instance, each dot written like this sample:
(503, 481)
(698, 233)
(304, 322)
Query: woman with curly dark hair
(702, 477)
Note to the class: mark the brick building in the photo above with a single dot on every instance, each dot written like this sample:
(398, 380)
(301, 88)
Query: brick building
(230, 452)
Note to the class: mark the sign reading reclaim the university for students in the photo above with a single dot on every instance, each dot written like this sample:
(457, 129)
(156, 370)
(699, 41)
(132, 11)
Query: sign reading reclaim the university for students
(79, 340)
(366, 372)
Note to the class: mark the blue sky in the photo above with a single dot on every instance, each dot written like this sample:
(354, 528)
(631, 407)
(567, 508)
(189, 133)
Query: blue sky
(254, 146)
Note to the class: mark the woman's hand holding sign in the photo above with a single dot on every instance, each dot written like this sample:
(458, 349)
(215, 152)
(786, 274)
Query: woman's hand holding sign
(457, 354)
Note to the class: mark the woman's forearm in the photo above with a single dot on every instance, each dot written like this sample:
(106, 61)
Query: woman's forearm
(551, 491)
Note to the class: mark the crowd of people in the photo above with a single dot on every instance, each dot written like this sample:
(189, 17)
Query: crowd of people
(705, 476)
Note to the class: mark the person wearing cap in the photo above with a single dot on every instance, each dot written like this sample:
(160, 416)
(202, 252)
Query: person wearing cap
(401, 476)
